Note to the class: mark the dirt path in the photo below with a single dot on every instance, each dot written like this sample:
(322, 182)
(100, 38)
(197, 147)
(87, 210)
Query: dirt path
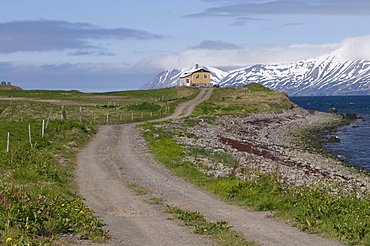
(118, 155)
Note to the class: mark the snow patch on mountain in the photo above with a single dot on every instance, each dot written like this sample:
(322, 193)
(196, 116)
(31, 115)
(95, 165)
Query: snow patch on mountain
(329, 74)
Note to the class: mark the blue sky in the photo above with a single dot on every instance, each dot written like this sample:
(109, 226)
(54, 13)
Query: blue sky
(115, 45)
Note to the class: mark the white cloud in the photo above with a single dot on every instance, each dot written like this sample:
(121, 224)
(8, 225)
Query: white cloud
(355, 48)
(236, 57)
(78, 73)
(249, 8)
(215, 45)
(352, 48)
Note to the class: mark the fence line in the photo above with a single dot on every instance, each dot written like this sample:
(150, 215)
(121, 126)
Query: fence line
(107, 118)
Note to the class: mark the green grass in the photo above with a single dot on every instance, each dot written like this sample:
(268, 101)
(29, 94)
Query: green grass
(244, 100)
(220, 231)
(166, 94)
(139, 190)
(38, 195)
(38, 200)
(328, 209)
(37, 191)
(215, 156)
(99, 108)
(154, 200)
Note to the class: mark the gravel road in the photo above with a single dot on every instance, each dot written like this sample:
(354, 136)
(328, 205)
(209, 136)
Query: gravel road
(118, 156)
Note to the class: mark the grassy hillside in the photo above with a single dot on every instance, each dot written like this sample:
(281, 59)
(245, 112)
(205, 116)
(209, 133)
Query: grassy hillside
(244, 100)
(9, 87)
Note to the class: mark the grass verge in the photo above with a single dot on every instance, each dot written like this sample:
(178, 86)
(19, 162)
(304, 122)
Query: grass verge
(37, 191)
(219, 231)
(325, 208)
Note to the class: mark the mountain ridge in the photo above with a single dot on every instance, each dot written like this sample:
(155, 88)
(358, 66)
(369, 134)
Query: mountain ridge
(325, 75)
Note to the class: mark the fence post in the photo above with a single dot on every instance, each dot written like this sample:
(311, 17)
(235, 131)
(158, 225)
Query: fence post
(64, 114)
(29, 135)
(132, 116)
(107, 117)
(47, 122)
(81, 115)
(43, 128)
(8, 142)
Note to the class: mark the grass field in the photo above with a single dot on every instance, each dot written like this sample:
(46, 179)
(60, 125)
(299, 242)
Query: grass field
(38, 200)
(100, 108)
(244, 101)
(37, 190)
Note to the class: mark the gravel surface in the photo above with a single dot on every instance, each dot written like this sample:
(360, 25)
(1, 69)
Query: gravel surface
(118, 156)
(264, 143)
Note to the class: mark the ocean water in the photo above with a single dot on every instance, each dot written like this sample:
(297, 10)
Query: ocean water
(354, 146)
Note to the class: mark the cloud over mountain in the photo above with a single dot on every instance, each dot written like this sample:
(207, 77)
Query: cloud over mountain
(215, 45)
(355, 48)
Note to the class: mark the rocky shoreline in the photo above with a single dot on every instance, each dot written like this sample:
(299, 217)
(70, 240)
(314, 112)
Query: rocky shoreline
(268, 143)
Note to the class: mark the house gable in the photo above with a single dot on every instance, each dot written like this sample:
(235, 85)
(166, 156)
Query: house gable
(196, 77)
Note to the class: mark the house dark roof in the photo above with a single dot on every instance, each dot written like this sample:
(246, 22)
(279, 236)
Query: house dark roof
(194, 70)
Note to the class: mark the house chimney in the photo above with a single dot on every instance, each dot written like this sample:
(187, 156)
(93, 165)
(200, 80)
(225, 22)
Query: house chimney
(196, 66)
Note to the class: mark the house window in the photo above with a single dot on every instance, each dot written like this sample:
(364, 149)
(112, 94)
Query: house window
(187, 81)
(205, 76)
(197, 76)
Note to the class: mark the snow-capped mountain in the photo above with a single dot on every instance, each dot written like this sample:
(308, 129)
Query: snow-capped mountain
(325, 75)
(171, 77)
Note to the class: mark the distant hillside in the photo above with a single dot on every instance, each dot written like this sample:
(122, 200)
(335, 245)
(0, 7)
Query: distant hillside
(10, 87)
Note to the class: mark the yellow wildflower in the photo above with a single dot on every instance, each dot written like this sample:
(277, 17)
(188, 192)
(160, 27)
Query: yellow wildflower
(204, 229)
(9, 239)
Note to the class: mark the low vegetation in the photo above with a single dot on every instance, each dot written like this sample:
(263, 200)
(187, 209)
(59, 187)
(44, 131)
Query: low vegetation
(324, 208)
(244, 100)
(219, 231)
(99, 108)
(37, 193)
(38, 200)
(9, 87)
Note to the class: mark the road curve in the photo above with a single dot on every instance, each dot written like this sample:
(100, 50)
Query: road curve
(118, 155)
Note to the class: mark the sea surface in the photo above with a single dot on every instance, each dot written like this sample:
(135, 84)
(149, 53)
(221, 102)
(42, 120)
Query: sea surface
(354, 146)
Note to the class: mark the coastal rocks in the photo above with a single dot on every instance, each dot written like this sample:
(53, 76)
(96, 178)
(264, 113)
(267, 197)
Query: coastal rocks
(333, 139)
(267, 143)
(332, 110)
